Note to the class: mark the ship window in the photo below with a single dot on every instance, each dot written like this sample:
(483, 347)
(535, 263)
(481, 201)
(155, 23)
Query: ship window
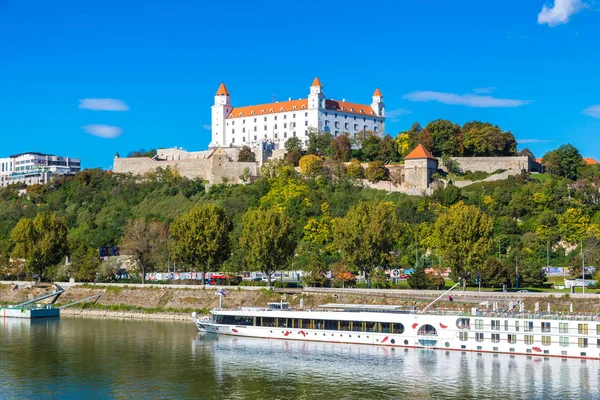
(528, 326)
(370, 326)
(479, 336)
(563, 327)
(331, 325)
(345, 325)
(545, 326)
(463, 336)
(582, 342)
(528, 339)
(267, 321)
(506, 325)
(463, 323)
(582, 329)
(598, 343)
(598, 330)
(397, 328)
(512, 338)
(495, 337)
(563, 341)
(546, 340)
(478, 324)
(357, 326)
(495, 324)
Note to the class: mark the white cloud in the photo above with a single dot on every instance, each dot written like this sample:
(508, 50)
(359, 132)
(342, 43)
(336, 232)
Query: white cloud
(103, 131)
(484, 90)
(560, 12)
(394, 115)
(525, 141)
(469, 100)
(103, 105)
(593, 111)
(207, 127)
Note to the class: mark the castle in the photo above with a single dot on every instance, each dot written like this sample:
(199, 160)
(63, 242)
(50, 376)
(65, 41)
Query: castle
(276, 122)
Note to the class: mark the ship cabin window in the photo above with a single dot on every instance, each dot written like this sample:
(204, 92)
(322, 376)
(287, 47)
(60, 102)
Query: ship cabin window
(582, 329)
(495, 324)
(582, 342)
(563, 327)
(268, 322)
(598, 330)
(506, 325)
(528, 339)
(563, 341)
(546, 340)
(463, 336)
(479, 337)
(512, 338)
(478, 324)
(598, 343)
(463, 323)
(517, 326)
(545, 326)
(495, 337)
(528, 326)
(370, 326)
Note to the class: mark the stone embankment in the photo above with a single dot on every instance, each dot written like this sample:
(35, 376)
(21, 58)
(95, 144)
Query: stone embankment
(172, 302)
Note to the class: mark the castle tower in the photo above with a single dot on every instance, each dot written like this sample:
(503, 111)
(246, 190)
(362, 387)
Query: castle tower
(377, 104)
(419, 166)
(316, 98)
(220, 112)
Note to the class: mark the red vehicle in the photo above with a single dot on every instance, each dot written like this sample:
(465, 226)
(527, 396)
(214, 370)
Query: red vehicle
(217, 279)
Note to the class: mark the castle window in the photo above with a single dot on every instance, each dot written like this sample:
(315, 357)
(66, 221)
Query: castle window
(265, 119)
(276, 118)
(325, 114)
(243, 130)
(336, 115)
(294, 109)
(255, 137)
(306, 132)
(232, 140)
(284, 135)
(232, 122)
(337, 124)
(284, 116)
(303, 106)
(243, 139)
(346, 116)
(294, 133)
(265, 127)
(294, 125)
(346, 126)
(364, 120)
(306, 114)
(243, 121)
(305, 123)
(294, 115)
(254, 129)
(281, 109)
(275, 126)
(253, 114)
(233, 131)
(271, 110)
(285, 124)
(275, 136)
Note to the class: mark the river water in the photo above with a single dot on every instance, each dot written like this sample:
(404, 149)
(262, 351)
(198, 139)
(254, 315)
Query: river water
(76, 358)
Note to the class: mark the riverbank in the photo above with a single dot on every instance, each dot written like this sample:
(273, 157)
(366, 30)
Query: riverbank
(127, 315)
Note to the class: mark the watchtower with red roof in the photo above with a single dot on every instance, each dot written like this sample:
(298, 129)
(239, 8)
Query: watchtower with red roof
(419, 167)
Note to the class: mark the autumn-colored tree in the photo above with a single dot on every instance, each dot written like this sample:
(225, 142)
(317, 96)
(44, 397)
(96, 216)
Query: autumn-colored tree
(375, 172)
(463, 238)
(146, 242)
(311, 165)
(355, 169)
(573, 225)
(341, 147)
(200, 238)
(268, 240)
(246, 155)
(41, 242)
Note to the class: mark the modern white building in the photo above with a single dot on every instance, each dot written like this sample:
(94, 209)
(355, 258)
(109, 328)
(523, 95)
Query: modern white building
(33, 168)
(276, 122)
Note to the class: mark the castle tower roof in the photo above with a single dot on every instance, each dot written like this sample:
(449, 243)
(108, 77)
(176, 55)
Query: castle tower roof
(222, 90)
(419, 152)
(316, 82)
(377, 93)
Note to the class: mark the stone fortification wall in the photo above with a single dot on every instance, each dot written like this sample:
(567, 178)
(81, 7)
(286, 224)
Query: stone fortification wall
(491, 164)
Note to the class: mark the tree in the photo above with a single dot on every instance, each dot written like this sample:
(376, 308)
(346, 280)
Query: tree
(355, 169)
(311, 165)
(375, 172)
(573, 225)
(268, 239)
(564, 161)
(319, 144)
(246, 155)
(406, 141)
(388, 150)
(341, 147)
(146, 242)
(85, 261)
(371, 146)
(367, 235)
(463, 238)
(486, 140)
(494, 274)
(200, 238)
(293, 147)
(41, 242)
(527, 152)
(418, 279)
(446, 137)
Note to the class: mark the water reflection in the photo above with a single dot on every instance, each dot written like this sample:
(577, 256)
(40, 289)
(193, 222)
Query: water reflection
(77, 358)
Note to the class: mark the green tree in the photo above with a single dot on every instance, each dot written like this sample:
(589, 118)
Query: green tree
(564, 161)
(41, 242)
(446, 137)
(246, 155)
(494, 274)
(268, 239)
(418, 279)
(319, 144)
(341, 147)
(371, 146)
(406, 141)
(85, 261)
(463, 238)
(367, 235)
(486, 140)
(293, 147)
(388, 150)
(146, 242)
(200, 238)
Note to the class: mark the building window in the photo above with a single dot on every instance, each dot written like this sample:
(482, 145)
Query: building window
(284, 116)
(365, 128)
(275, 126)
(305, 123)
(254, 129)
(265, 127)
(243, 121)
(232, 140)
(265, 119)
(528, 339)
(275, 136)
(254, 119)
(294, 115)
(306, 114)
(563, 341)
(546, 340)
(545, 326)
(582, 329)
(284, 135)
(243, 130)
(563, 327)
(598, 330)
(232, 122)
(346, 126)
(255, 135)
(512, 338)
(582, 342)
(528, 326)
(306, 133)
(294, 133)
(506, 325)
(337, 124)
(495, 337)
(326, 123)
(285, 125)
(478, 336)
(243, 139)
(463, 336)
(276, 118)
(233, 131)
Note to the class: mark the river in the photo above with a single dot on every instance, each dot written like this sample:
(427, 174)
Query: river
(75, 358)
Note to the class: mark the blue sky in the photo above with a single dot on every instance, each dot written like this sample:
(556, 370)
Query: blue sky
(530, 66)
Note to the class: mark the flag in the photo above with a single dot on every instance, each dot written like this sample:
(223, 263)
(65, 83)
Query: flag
(273, 98)
(222, 293)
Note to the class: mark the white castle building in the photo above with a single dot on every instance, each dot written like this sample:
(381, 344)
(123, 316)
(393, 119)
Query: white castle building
(35, 168)
(276, 122)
